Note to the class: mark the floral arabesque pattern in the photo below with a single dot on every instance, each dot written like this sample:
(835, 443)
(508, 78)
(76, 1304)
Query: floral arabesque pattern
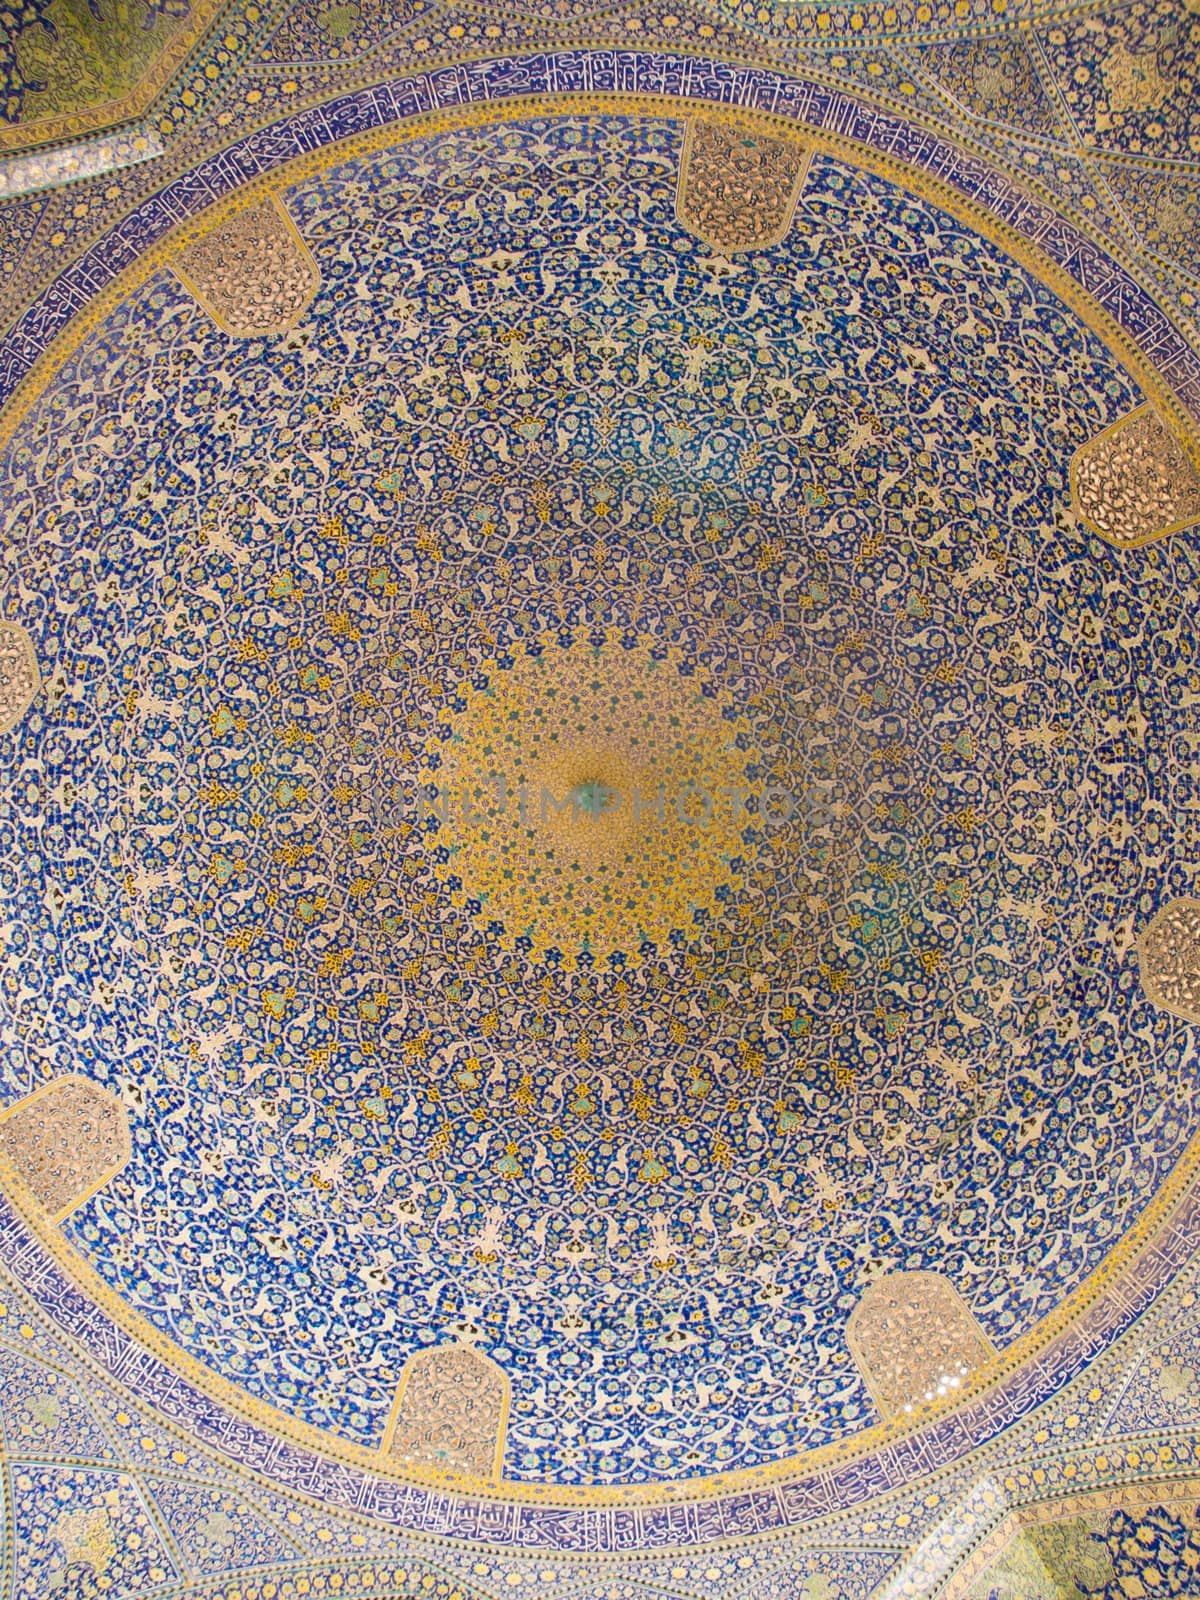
(889, 1026)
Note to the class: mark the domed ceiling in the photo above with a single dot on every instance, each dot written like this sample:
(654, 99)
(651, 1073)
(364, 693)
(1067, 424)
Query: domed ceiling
(607, 786)
(602, 798)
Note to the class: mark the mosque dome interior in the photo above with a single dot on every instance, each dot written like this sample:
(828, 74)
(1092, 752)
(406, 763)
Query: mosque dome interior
(599, 683)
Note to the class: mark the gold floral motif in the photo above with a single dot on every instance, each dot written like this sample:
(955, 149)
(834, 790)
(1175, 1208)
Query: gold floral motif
(915, 1341)
(1175, 214)
(619, 823)
(65, 1141)
(253, 274)
(581, 1492)
(737, 189)
(99, 70)
(1133, 81)
(1134, 482)
(19, 676)
(87, 1536)
(450, 1414)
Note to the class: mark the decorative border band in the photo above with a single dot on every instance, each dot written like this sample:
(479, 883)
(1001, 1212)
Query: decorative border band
(565, 73)
(685, 1514)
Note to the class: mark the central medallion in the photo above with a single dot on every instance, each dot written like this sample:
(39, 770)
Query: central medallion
(594, 798)
(591, 799)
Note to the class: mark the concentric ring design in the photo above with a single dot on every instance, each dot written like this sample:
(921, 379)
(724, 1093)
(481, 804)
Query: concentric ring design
(881, 1012)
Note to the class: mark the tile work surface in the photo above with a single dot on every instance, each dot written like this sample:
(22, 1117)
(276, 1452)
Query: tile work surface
(76, 66)
(1091, 109)
(108, 1493)
(390, 1070)
(540, 478)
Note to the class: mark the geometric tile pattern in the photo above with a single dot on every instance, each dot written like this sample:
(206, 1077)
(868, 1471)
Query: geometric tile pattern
(840, 110)
(218, 1531)
(1076, 128)
(66, 70)
(1106, 1548)
(84, 1534)
(154, 1500)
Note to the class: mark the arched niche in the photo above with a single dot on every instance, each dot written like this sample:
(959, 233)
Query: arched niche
(450, 1414)
(1169, 959)
(915, 1341)
(64, 1141)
